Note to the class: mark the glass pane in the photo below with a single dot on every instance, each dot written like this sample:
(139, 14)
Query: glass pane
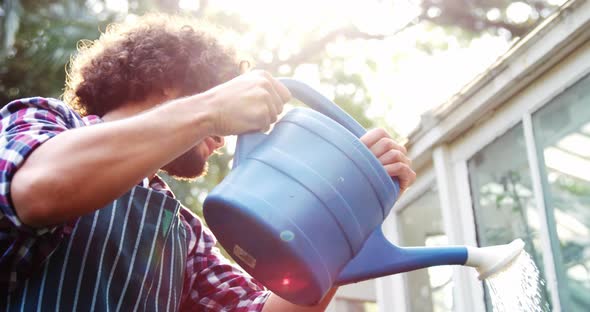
(503, 202)
(562, 131)
(420, 224)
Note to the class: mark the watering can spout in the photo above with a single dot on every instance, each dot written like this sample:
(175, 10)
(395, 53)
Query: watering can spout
(379, 257)
(493, 259)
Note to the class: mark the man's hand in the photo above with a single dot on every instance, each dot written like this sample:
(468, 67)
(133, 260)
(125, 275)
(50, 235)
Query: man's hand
(250, 102)
(391, 155)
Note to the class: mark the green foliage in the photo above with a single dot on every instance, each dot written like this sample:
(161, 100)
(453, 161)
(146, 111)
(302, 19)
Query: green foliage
(45, 35)
(352, 96)
(573, 186)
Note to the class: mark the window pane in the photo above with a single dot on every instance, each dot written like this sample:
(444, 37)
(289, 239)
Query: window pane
(503, 202)
(420, 224)
(562, 131)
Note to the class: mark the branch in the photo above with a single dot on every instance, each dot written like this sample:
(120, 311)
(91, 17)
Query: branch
(461, 13)
(312, 49)
(476, 25)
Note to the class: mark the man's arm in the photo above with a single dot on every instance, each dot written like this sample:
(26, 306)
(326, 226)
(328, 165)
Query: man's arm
(81, 170)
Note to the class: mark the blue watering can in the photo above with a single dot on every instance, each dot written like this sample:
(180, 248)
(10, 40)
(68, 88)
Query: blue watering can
(301, 210)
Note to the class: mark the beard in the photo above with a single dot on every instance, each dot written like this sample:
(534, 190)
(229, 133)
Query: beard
(188, 167)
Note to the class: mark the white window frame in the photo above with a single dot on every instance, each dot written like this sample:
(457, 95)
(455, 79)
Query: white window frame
(391, 290)
(531, 75)
(517, 110)
(449, 171)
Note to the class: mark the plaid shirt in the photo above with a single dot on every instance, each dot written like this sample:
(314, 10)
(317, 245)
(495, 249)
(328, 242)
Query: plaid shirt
(211, 282)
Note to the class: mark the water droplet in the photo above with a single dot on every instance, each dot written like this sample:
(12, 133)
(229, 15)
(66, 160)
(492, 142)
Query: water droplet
(518, 287)
(287, 236)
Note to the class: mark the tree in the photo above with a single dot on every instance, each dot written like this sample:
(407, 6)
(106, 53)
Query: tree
(513, 18)
(37, 38)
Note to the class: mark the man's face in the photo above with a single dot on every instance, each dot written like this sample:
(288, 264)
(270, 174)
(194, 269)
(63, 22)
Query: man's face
(193, 163)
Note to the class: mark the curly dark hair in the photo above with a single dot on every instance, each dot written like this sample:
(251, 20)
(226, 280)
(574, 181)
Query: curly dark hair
(139, 58)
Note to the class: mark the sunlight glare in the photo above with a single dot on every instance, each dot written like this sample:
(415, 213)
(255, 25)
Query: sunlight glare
(404, 81)
(95, 6)
(519, 12)
(383, 17)
(569, 228)
(189, 5)
(117, 5)
(567, 163)
(576, 143)
(493, 14)
(309, 73)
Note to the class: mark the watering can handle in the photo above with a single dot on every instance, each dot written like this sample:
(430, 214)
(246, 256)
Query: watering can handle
(322, 104)
(311, 98)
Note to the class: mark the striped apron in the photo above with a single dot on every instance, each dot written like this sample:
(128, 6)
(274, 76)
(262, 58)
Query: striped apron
(127, 256)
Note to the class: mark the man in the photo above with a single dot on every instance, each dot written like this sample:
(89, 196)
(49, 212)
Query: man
(85, 222)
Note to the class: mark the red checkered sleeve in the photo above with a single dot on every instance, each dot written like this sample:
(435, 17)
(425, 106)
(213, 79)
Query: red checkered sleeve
(212, 282)
(24, 125)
